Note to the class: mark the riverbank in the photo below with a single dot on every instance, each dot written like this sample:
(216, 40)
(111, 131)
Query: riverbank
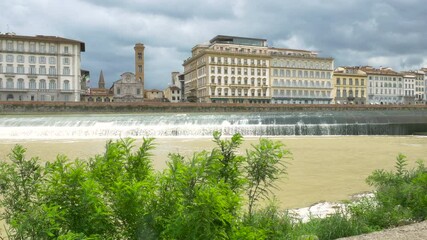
(114, 107)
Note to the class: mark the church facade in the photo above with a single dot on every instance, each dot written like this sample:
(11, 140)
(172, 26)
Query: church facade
(128, 89)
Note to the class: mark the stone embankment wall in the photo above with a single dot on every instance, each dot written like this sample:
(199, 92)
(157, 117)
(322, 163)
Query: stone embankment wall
(95, 107)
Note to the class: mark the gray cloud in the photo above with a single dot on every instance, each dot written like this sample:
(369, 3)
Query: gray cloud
(354, 32)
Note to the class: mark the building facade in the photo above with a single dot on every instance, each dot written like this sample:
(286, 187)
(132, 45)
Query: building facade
(300, 77)
(420, 87)
(172, 94)
(385, 86)
(350, 86)
(128, 89)
(39, 68)
(245, 70)
(154, 95)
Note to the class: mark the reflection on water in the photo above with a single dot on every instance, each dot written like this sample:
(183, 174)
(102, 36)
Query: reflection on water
(328, 168)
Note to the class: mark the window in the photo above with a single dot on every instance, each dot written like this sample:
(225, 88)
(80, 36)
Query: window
(1, 57)
(42, 48)
(42, 60)
(32, 59)
(9, 83)
(9, 58)
(20, 59)
(52, 48)
(140, 68)
(66, 61)
(20, 69)
(52, 70)
(21, 46)
(52, 84)
(139, 56)
(52, 60)
(1, 68)
(350, 81)
(42, 70)
(66, 49)
(138, 91)
(32, 84)
(9, 68)
(42, 84)
(66, 71)
(118, 90)
(20, 83)
(338, 81)
(32, 47)
(9, 46)
(66, 85)
(33, 69)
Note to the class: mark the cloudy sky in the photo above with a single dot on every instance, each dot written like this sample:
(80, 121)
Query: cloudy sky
(389, 33)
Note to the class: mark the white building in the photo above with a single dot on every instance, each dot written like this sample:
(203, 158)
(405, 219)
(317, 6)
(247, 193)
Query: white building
(172, 94)
(385, 86)
(409, 87)
(39, 68)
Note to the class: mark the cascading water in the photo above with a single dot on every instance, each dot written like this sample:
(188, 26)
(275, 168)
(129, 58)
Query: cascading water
(384, 122)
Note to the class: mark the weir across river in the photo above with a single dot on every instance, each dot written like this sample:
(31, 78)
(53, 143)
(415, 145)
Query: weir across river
(291, 123)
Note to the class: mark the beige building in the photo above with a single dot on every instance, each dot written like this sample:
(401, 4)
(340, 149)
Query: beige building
(128, 89)
(300, 77)
(245, 70)
(39, 68)
(228, 70)
(154, 95)
(350, 85)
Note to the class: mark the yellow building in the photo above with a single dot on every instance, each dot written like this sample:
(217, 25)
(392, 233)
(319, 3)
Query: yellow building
(350, 85)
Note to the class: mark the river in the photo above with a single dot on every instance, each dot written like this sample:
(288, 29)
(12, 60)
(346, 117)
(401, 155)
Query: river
(326, 166)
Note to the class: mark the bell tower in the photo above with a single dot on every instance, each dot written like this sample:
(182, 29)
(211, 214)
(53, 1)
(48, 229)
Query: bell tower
(139, 62)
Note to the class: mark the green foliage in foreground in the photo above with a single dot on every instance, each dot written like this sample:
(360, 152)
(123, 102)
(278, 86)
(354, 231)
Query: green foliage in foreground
(212, 195)
(118, 195)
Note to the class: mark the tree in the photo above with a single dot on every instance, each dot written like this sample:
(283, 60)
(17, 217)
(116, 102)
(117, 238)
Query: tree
(264, 167)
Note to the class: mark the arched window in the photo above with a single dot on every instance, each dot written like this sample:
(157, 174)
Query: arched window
(52, 84)
(21, 83)
(32, 84)
(42, 84)
(66, 85)
(9, 83)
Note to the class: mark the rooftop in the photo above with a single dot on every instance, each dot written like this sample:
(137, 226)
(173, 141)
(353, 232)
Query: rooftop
(239, 40)
(42, 38)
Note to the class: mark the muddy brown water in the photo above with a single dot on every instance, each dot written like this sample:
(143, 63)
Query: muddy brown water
(323, 168)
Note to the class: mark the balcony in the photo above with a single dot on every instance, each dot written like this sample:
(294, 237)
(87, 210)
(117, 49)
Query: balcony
(14, 89)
